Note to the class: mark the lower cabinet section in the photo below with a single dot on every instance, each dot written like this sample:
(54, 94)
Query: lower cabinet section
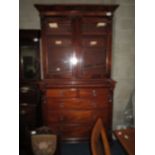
(71, 113)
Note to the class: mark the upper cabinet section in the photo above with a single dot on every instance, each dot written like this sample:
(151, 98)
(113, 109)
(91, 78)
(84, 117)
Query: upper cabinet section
(29, 55)
(76, 41)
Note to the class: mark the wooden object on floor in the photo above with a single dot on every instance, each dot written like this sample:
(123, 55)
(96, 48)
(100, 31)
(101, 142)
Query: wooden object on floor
(76, 55)
(126, 137)
(99, 141)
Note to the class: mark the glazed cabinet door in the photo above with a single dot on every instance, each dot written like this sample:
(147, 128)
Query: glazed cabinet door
(58, 47)
(95, 43)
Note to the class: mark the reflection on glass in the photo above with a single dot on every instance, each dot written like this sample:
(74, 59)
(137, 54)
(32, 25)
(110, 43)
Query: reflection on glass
(73, 60)
(29, 62)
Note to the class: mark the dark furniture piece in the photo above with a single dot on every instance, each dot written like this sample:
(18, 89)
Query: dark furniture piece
(29, 94)
(76, 85)
(126, 137)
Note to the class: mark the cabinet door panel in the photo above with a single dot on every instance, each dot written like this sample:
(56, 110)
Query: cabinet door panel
(58, 60)
(93, 63)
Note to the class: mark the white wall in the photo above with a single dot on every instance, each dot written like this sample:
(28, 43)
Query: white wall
(123, 45)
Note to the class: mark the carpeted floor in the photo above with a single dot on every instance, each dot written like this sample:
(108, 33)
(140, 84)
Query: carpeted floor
(83, 149)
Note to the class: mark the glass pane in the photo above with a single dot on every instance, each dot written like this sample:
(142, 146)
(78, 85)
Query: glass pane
(59, 61)
(30, 64)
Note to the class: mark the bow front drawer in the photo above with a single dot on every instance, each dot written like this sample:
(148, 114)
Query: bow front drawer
(56, 93)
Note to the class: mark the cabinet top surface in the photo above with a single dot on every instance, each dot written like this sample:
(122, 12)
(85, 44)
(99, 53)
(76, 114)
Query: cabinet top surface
(75, 7)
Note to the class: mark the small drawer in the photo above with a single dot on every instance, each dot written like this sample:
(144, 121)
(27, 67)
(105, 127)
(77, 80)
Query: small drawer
(98, 92)
(61, 93)
(95, 26)
(59, 42)
(58, 26)
(94, 42)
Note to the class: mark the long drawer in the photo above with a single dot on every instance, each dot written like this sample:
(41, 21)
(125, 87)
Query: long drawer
(70, 116)
(76, 103)
(57, 93)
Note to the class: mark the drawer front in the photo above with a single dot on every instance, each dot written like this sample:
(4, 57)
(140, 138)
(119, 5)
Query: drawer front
(76, 103)
(95, 26)
(73, 132)
(61, 93)
(58, 26)
(70, 116)
(98, 92)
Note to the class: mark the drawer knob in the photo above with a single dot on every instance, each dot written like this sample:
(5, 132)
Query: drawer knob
(62, 105)
(94, 93)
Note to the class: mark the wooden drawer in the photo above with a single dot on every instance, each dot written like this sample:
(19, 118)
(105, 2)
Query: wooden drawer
(73, 132)
(70, 116)
(72, 104)
(95, 25)
(76, 103)
(55, 93)
(96, 92)
(58, 26)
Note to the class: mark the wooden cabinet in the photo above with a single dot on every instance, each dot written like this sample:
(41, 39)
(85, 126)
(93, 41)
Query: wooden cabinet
(29, 94)
(76, 49)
